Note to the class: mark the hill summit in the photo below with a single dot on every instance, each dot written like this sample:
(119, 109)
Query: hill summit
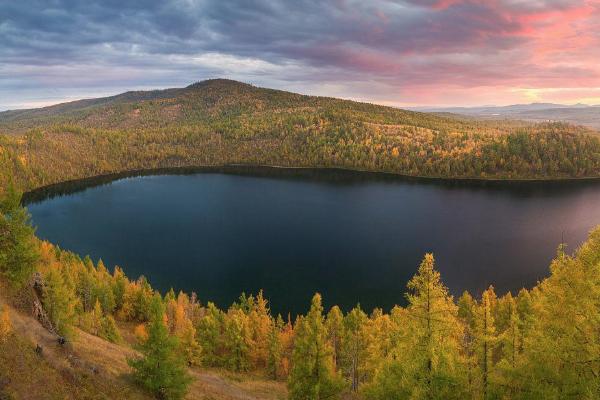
(220, 121)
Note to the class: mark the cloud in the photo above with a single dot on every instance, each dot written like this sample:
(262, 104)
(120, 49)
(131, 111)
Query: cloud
(411, 51)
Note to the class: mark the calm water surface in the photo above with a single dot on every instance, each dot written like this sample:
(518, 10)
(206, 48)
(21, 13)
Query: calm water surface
(354, 238)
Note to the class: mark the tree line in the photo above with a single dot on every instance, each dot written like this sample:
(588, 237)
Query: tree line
(221, 122)
(541, 343)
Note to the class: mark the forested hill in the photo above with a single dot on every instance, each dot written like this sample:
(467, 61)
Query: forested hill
(219, 122)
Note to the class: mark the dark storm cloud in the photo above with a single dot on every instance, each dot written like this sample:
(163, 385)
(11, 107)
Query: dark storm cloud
(66, 47)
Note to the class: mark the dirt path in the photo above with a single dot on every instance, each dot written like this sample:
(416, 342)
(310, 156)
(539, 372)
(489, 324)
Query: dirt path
(92, 355)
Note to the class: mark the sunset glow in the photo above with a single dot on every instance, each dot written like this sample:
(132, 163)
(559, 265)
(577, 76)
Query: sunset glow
(402, 53)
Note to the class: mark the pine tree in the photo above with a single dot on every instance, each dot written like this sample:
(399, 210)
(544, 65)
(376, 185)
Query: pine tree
(162, 369)
(18, 250)
(313, 376)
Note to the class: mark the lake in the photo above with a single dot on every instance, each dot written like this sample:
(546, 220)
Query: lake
(354, 237)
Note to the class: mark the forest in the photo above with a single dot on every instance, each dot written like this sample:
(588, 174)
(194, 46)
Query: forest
(221, 122)
(541, 343)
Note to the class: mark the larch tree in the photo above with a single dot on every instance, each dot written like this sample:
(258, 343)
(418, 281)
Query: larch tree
(485, 339)
(509, 340)
(237, 340)
(18, 250)
(467, 310)
(161, 369)
(355, 346)
(313, 375)
(275, 348)
(260, 325)
(210, 336)
(561, 348)
(428, 361)
(5, 325)
(59, 301)
(334, 323)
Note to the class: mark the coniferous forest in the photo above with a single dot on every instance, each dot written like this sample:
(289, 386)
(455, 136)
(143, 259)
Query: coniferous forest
(300, 200)
(219, 122)
(541, 343)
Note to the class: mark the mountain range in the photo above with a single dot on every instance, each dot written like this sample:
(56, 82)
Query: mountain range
(581, 114)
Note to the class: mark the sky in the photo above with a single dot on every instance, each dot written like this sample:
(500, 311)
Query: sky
(403, 53)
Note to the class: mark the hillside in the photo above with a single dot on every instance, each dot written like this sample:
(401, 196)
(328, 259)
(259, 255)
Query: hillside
(89, 367)
(541, 343)
(219, 122)
(580, 114)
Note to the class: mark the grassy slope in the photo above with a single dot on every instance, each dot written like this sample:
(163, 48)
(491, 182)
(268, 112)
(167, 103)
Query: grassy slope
(92, 368)
(226, 122)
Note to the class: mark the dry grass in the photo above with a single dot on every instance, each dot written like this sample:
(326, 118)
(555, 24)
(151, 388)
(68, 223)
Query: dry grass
(91, 368)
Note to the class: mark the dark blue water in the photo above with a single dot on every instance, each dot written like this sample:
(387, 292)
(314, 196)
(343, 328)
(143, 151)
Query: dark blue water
(354, 238)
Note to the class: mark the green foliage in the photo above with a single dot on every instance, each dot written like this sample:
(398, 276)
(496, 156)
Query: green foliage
(236, 340)
(274, 350)
(210, 330)
(561, 349)
(18, 250)
(109, 330)
(355, 341)
(313, 376)
(59, 301)
(223, 122)
(161, 370)
(428, 362)
(485, 341)
(543, 343)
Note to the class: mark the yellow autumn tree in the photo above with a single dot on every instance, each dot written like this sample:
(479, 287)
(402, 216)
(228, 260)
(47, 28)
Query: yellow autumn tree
(428, 361)
(5, 325)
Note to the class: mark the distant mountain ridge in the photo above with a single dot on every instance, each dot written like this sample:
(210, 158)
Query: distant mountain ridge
(223, 122)
(581, 114)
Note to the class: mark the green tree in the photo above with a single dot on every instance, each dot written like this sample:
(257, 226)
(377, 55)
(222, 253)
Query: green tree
(59, 301)
(485, 339)
(162, 368)
(561, 350)
(210, 335)
(334, 324)
(510, 344)
(313, 376)
(355, 341)
(274, 348)
(18, 250)
(236, 336)
(109, 329)
(428, 362)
